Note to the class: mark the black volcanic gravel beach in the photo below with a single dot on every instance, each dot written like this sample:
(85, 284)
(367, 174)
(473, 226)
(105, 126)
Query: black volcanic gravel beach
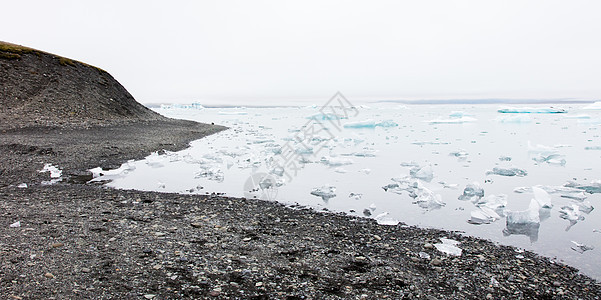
(76, 240)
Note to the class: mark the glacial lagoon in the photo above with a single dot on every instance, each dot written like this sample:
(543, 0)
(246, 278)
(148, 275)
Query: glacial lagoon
(527, 176)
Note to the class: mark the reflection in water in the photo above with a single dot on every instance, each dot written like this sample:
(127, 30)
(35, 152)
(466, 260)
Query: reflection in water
(527, 229)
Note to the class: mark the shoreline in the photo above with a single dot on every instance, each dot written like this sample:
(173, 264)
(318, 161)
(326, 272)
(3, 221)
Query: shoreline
(97, 242)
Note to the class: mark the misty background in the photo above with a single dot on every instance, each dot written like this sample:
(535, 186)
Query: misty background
(273, 52)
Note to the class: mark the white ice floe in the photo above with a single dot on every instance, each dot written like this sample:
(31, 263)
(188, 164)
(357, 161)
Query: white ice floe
(448, 247)
(531, 110)
(325, 192)
(581, 248)
(507, 172)
(472, 192)
(542, 197)
(552, 159)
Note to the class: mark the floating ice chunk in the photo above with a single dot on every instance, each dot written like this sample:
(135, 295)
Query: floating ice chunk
(15, 224)
(210, 172)
(427, 200)
(585, 206)
(553, 159)
(336, 161)
(592, 148)
(519, 119)
(448, 247)
(571, 213)
(581, 248)
(410, 164)
(425, 173)
(542, 197)
(472, 192)
(355, 196)
(592, 188)
(508, 172)
(531, 110)
(453, 120)
(54, 171)
(483, 215)
(505, 158)
(325, 192)
(365, 153)
(447, 185)
(385, 219)
(494, 202)
(22, 186)
(461, 154)
(161, 185)
(531, 215)
(596, 105)
(387, 123)
(279, 171)
(563, 191)
(525, 222)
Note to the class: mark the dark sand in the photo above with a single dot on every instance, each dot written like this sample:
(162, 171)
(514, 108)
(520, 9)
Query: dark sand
(78, 240)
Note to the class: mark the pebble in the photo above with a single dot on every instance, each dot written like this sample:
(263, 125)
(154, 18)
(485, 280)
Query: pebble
(436, 262)
(86, 270)
(196, 224)
(49, 275)
(556, 283)
(428, 246)
(214, 293)
(57, 245)
(259, 284)
(149, 296)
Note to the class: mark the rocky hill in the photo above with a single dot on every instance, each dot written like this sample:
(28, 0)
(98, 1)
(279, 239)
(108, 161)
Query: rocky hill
(43, 89)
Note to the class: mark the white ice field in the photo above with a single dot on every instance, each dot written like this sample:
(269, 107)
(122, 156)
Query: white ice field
(527, 176)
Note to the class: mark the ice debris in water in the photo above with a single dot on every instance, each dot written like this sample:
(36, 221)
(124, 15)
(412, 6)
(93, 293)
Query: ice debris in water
(155, 160)
(340, 170)
(409, 164)
(425, 173)
(552, 159)
(472, 192)
(531, 215)
(385, 219)
(279, 171)
(370, 124)
(483, 215)
(571, 213)
(461, 154)
(355, 196)
(505, 158)
(531, 110)
(494, 202)
(427, 200)
(325, 192)
(592, 188)
(54, 171)
(525, 222)
(365, 171)
(507, 172)
(563, 191)
(592, 148)
(542, 197)
(336, 161)
(210, 172)
(460, 120)
(448, 247)
(326, 116)
(459, 114)
(581, 248)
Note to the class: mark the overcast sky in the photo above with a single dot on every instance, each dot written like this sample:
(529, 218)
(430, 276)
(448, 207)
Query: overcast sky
(270, 51)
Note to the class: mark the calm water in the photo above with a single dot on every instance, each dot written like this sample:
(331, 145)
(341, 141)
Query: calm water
(458, 144)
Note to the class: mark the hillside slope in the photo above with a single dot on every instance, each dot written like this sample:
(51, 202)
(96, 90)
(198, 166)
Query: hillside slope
(43, 89)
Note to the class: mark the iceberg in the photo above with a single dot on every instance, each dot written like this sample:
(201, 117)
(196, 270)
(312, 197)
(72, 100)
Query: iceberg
(531, 110)
(425, 173)
(508, 172)
(542, 197)
(592, 188)
(525, 222)
(325, 192)
(483, 215)
(448, 247)
(553, 159)
(472, 192)
(581, 248)
(427, 200)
